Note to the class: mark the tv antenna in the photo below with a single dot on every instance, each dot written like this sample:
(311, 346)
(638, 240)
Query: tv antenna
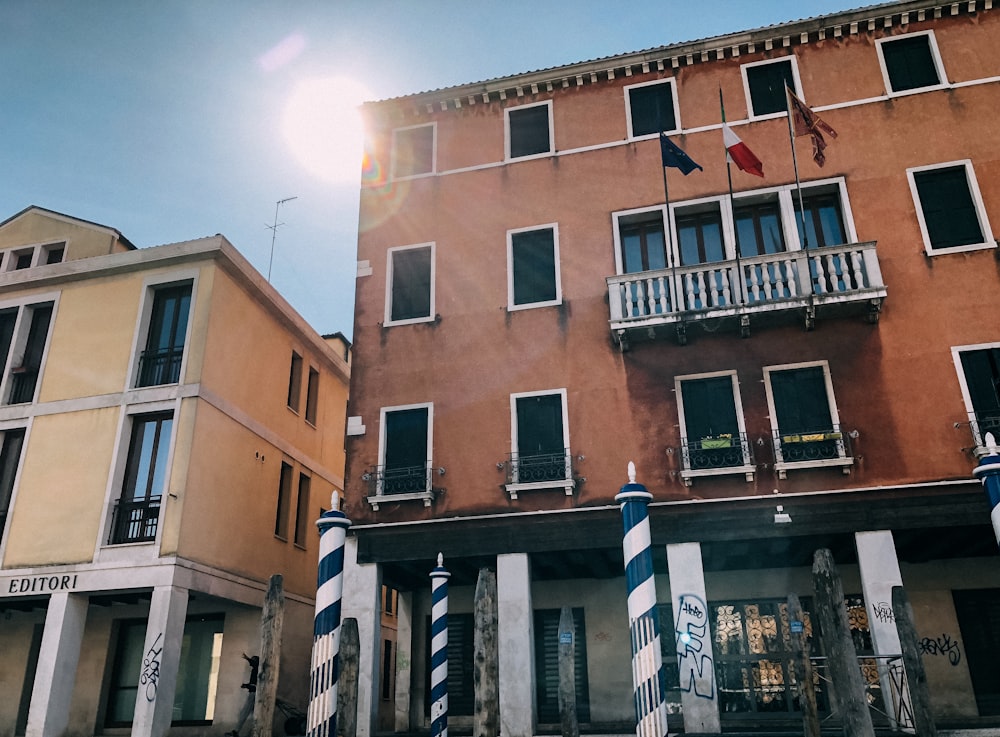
(274, 232)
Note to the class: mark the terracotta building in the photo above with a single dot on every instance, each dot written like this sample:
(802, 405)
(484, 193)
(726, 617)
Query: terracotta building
(170, 430)
(790, 367)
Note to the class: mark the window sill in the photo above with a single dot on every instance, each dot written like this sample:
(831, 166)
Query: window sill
(533, 305)
(408, 321)
(844, 463)
(652, 136)
(959, 249)
(425, 496)
(918, 90)
(529, 157)
(567, 485)
(688, 475)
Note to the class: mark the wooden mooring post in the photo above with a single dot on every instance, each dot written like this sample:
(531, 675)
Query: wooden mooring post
(913, 664)
(567, 674)
(271, 621)
(803, 668)
(347, 690)
(486, 719)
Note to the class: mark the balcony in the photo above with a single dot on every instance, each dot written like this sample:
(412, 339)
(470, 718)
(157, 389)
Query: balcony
(135, 520)
(824, 447)
(406, 483)
(721, 455)
(728, 295)
(981, 424)
(22, 384)
(539, 471)
(162, 366)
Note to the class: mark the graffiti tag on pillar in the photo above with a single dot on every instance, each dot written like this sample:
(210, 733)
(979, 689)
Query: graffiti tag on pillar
(150, 675)
(883, 612)
(942, 645)
(697, 671)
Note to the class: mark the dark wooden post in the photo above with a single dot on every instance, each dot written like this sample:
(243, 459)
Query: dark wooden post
(913, 664)
(567, 674)
(486, 720)
(803, 668)
(347, 683)
(845, 673)
(271, 620)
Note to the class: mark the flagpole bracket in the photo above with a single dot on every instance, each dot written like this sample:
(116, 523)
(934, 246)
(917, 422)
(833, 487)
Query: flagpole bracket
(682, 337)
(810, 316)
(874, 310)
(744, 326)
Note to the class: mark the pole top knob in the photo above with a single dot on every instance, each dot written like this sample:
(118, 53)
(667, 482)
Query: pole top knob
(631, 472)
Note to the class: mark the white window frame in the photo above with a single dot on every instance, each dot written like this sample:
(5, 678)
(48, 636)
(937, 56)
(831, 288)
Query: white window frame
(434, 144)
(390, 275)
(39, 253)
(19, 338)
(5, 427)
(426, 496)
(935, 56)
(568, 484)
(782, 467)
(628, 108)
(748, 468)
(977, 200)
(511, 307)
(963, 384)
(634, 213)
(746, 85)
(144, 317)
(506, 132)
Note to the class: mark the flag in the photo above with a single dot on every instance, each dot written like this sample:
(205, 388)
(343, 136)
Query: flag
(740, 154)
(807, 123)
(673, 155)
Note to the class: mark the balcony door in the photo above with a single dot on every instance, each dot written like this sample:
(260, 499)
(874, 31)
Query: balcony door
(711, 427)
(406, 452)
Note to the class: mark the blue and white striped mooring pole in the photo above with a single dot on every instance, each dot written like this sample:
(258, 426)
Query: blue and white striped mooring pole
(439, 649)
(322, 717)
(988, 471)
(648, 674)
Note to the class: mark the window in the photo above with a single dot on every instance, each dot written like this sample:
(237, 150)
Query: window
(17, 259)
(138, 510)
(294, 381)
(22, 260)
(197, 675)
(302, 517)
(312, 395)
(540, 440)
(804, 417)
(26, 355)
(758, 228)
(410, 285)
(160, 362)
(910, 62)
(643, 246)
(413, 151)
(765, 85)
(949, 207)
(651, 108)
(714, 440)
(533, 267)
(387, 670)
(405, 451)
(823, 218)
(979, 369)
(284, 501)
(529, 130)
(699, 235)
(53, 253)
(10, 458)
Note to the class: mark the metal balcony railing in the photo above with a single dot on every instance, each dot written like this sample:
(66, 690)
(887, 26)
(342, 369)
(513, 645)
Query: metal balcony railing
(982, 424)
(822, 444)
(135, 520)
(726, 450)
(22, 385)
(383, 480)
(162, 366)
(539, 467)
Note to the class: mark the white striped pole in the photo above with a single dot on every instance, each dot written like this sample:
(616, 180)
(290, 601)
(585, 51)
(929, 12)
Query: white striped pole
(988, 472)
(322, 716)
(648, 674)
(439, 649)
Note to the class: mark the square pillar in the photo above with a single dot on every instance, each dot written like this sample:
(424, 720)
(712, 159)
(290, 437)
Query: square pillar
(58, 657)
(692, 639)
(404, 659)
(515, 642)
(362, 600)
(154, 703)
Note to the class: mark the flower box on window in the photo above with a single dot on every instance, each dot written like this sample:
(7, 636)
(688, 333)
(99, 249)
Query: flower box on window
(724, 440)
(814, 437)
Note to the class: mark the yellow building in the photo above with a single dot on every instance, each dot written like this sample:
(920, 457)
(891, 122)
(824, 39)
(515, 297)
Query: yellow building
(171, 430)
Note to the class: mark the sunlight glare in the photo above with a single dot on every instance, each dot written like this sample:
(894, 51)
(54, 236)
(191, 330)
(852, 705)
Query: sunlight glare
(322, 127)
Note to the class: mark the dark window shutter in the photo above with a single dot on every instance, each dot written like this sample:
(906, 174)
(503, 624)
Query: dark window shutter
(406, 438)
(800, 400)
(982, 376)
(534, 266)
(949, 212)
(529, 131)
(767, 86)
(709, 407)
(652, 109)
(539, 425)
(909, 63)
(411, 284)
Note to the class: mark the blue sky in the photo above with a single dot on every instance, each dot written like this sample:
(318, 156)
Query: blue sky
(175, 119)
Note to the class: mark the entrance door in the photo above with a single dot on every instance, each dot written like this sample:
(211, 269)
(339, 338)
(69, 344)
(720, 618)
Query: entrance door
(979, 619)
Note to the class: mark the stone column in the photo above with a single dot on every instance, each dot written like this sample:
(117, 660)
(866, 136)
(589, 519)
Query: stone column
(55, 676)
(404, 648)
(692, 639)
(362, 594)
(154, 704)
(879, 569)
(515, 640)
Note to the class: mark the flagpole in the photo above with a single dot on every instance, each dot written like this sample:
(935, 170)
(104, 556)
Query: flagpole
(673, 292)
(795, 166)
(736, 231)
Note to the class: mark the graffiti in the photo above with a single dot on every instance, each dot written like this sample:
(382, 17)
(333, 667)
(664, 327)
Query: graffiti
(150, 675)
(602, 636)
(942, 645)
(697, 671)
(883, 612)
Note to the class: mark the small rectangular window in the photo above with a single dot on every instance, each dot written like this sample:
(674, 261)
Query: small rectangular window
(949, 212)
(160, 361)
(281, 515)
(529, 130)
(302, 518)
(54, 253)
(534, 268)
(387, 670)
(22, 259)
(294, 381)
(413, 151)
(910, 62)
(10, 458)
(24, 374)
(312, 395)
(410, 284)
(651, 108)
(766, 86)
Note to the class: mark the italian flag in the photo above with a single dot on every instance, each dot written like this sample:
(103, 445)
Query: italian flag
(739, 153)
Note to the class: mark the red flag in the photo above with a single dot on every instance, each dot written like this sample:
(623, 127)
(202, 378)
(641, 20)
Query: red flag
(807, 123)
(741, 155)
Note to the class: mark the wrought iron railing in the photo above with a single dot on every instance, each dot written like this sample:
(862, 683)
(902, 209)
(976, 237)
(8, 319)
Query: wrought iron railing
(135, 520)
(404, 480)
(717, 451)
(162, 366)
(982, 424)
(821, 444)
(539, 467)
(22, 385)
